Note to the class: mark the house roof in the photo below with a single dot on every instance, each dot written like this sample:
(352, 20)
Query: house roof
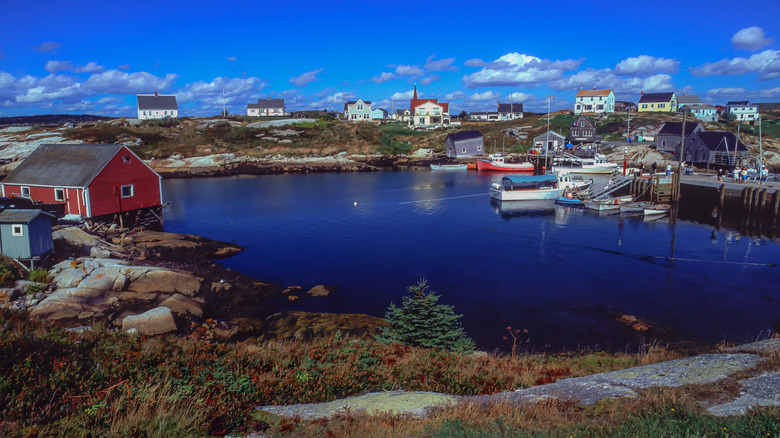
(625, 102)
(157, 102)
(380, 109)
(63, 165)
(766, 106)
(719, 139)
(702, 106)
(465, 135)
(582, 93)
(400, 112)
(13, 215)
(739, 102)
(675, 128)
(688, 99)
(352, 102)
(478, 113)
(510, 107)
(417, 102)
(267, 103)
(583, 116)
(656, 97)
(552, 133)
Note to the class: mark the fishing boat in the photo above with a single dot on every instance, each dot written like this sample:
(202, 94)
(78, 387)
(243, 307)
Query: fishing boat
(496, 163)
(607, 204)
(563, 200)
(656, 209)
(449, 167)
(574, 182)
(634, 207)
(522, 188)
(572, 164)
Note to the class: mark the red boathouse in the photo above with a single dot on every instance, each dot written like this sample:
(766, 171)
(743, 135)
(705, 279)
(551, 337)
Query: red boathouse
(94, 181)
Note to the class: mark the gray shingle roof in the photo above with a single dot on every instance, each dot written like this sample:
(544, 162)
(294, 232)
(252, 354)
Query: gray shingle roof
(19, 216)
(688, 99)
(675, 128)
(267, 103)
(714, 140)
(155, 102)
(656, 97)
(465, 135)
(63, 165)
(510, 107)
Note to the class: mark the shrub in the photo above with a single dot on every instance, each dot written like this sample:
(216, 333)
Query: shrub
(39, 276)
(420, 322)
(7, 276)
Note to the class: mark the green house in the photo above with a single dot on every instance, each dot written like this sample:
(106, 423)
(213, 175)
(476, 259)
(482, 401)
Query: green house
(25, 234)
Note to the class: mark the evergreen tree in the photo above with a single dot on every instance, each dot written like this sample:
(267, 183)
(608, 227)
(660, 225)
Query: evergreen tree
(421, 322)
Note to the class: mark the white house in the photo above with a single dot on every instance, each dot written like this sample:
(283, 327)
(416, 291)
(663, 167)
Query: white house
(594, 102)
(402, 115)
(743, 110)
(266, 107)
(428, 113)
(154, 106)
(510, 111)
(356, 110)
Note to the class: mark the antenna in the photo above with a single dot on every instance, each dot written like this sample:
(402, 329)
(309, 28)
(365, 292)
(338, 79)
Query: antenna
(224, 112)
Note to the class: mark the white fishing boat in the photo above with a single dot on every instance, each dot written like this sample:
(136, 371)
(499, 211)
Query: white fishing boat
(607, 204)
(574, 182)
(522, 188)
(656, 209)
(634, 207)
(449, 167)
(496, 163)
(572, 164)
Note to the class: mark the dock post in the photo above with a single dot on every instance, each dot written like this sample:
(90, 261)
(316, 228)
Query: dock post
(774, 209)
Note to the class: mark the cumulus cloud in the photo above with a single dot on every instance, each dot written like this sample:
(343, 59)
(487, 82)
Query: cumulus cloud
(117, 82)
(440, 65)
(404, 95)
(751, 38)
(457, 95)
(644, 65)
(306, 78)
(231, 58)
(382, 77)
(520, 97)
(55, 66)
(332, 101)
(48, 46)
(733, 93)
(430, 79)
(481, 97)
(475, 62)
(605, 78)
(517, 68)
(726, 91)
(766, 64)
(409, 70)
(207, 96)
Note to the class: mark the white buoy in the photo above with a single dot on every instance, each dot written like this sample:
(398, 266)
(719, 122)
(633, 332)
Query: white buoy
(355, 203)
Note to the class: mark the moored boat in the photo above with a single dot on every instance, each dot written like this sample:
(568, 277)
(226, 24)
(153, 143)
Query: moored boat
(655, 209)
(497, 164)
(596, 165)
(574, 182)
(634, 207)
(521, 188)
(449, 167)
(568, 201)
(607, 204)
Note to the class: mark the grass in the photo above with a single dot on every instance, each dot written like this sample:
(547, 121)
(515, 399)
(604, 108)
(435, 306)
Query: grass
(55, 382)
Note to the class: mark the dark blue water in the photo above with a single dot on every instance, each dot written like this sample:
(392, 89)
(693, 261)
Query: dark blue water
(559, 272)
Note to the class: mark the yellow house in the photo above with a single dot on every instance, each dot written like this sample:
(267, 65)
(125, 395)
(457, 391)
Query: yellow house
(664, 102)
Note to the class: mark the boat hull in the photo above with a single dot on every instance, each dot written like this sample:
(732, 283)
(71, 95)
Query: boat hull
(524, 168)
(657, 209)
(525, 195)
(607, 204)
(449, 167)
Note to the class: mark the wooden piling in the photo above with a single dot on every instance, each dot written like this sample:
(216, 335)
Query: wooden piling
(722, 196)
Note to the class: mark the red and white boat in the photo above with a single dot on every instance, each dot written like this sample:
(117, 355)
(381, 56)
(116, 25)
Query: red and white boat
(497, 164)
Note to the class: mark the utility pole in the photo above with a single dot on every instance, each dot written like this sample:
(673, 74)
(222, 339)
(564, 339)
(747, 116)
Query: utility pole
(224, 112)
(682, 143)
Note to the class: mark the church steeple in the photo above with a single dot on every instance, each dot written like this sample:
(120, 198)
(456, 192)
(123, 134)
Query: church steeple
(415, 91)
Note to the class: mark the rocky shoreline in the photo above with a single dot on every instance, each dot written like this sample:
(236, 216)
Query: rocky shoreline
(155, 282)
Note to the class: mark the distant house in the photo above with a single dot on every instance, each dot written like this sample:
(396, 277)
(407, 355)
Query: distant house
(621, 105)
(91, 180)
(478, 115)
(510, 111)
(687, 100)
(666, 102)
(718, 148)
(743, 111)
(379, 114)
(428, 113)
(583, 132)
(553, 140)
(25, 234)
(357, 110)
(768, 106)
(154, 106)
(266, 107)
(706, 113)
(669, 136)
(464, 144)
(402, 115)
(594, 102)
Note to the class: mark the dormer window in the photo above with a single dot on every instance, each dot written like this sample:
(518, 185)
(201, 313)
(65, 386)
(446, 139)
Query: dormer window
(126, 159)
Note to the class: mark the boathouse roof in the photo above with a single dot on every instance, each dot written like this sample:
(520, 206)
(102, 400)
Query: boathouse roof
(464, 135)
(63, 165)
(718, 140)
(675, 128)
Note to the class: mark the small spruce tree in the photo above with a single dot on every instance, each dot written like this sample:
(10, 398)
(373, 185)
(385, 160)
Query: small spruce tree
(420, 322)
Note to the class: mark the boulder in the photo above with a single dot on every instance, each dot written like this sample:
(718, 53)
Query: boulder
(57, 307)
(74, 236)
(163, 280)
(7, 294)
(99, 253)
(226, 330)
(70, 277)
(152, 322)
(181, 305)
(319, 291)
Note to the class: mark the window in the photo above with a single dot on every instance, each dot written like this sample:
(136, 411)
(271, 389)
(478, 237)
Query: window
(582, 123)
(661, 105)
(479, 148)
(578, 107)
(127, 191)
(360, 107)
(464, 150)
(126, 159)
(663, 142)
(644, 106)
(59, 194)
(25, 192)
(17, 230)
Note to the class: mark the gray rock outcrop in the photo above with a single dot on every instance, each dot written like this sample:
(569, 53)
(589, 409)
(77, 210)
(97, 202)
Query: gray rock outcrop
(152, 322)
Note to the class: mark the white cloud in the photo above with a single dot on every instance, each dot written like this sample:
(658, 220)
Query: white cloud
(766, 64)
(404, 95)
(382, 77)
(55, 66)
(440, 65)
(520, 97)
(91, 67)
(231, 58)
(409, 70)
(430, 79)
(457, 95)
(606, 79)
(516, 68)
(206, 97)
(487, 95)
(751, 38)
(475, 62)
(306, 78)
(48, 46)
(735, 93)
(117, 82)
(726, 91)
(644, 65)
(334, 101)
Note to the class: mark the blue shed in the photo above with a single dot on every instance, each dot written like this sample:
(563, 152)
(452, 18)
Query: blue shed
(25, 234)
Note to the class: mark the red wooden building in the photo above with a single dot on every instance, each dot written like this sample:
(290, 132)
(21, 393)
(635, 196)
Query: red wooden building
(92, 180)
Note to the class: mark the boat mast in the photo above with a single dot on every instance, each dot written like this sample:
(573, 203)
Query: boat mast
(547, 143)
(760, 148)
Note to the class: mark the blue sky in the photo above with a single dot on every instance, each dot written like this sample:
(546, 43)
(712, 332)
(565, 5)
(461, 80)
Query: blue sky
(93, 57)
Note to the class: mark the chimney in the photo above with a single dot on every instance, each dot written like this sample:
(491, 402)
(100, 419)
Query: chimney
(155, 94)
(594, 88)
(642, 93)
(269, 97)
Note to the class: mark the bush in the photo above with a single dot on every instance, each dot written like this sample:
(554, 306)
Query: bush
(7, 276)
(420, 322)
(38, 276)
